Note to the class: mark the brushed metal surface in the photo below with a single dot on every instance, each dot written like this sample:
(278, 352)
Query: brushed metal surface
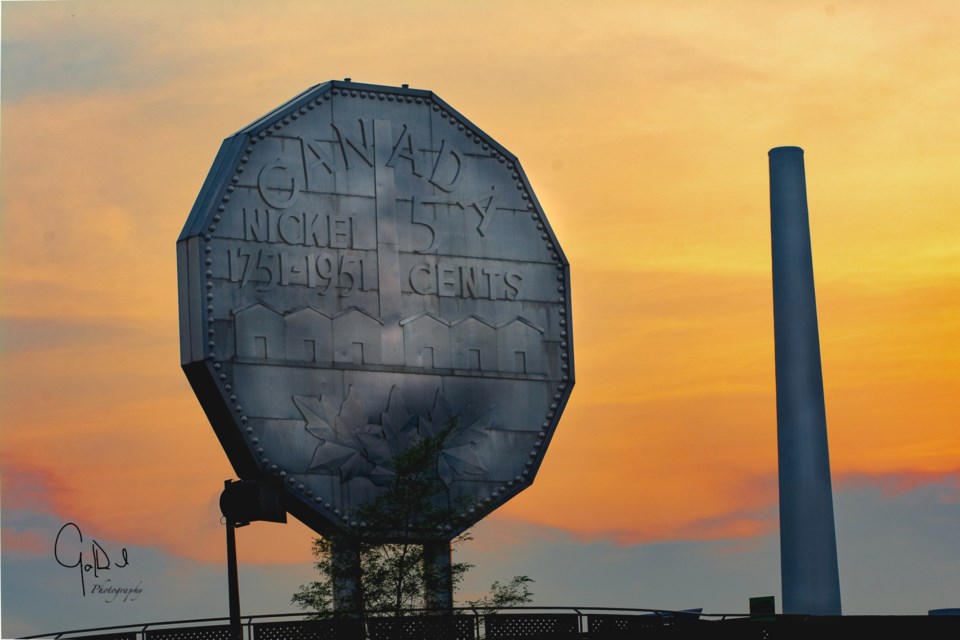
(361, 265)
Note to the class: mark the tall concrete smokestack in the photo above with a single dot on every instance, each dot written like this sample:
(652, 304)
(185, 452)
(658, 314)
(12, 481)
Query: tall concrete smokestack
(808, 544)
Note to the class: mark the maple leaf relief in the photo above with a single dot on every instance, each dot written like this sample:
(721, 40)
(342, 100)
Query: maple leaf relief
(353, 448)
(340, 449)
(463, 431)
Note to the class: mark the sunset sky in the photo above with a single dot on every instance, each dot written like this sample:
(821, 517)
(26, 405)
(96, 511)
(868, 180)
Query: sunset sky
(643, 127)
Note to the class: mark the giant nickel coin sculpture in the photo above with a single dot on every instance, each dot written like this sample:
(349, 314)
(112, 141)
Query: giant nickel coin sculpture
(362, 265)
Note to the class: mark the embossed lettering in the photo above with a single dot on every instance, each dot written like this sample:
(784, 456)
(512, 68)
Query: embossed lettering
(446, 170)
(313, 227)
(447, 281)
(513, 280)
(484, 206)
(362, 146)
(422, 217)
(290, 228)
(422, 279)
(404, 149)
(313, 156)
(278, 193)
(264, 265)
(464, 281)
(291, 271)
(326, 270)
(341, 232)
(469, 282)
(256, 226)
(322, 272)
(424, 213)
(280, 183)
(301, 228)
(351, 267)
(237, 262)
(495, 282)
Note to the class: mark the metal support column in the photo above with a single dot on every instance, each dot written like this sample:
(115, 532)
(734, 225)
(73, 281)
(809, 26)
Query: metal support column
(438, 576)
(347, 576)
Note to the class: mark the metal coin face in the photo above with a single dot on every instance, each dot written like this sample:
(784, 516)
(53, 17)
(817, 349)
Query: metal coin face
(365, 268)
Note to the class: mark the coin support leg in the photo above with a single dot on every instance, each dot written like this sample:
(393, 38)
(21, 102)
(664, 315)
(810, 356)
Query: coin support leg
(438, 576)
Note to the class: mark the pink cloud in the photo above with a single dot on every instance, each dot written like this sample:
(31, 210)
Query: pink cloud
(31, 487)
(24, 542)
(897, 483)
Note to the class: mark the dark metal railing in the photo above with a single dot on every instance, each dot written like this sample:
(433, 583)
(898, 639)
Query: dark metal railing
(526, 623)
(513, 621)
